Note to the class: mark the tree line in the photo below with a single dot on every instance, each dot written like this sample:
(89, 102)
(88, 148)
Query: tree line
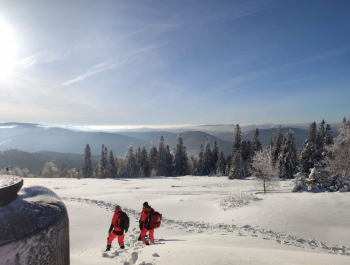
(280, 159)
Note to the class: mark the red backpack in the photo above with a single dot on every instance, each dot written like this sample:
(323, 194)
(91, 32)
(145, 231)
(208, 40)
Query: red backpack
(155, 220)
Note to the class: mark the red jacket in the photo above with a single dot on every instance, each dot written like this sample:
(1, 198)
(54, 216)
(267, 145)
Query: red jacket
(116, 220)
(144, 216)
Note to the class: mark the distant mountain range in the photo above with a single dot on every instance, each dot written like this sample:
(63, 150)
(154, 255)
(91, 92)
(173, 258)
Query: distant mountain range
(37, 138)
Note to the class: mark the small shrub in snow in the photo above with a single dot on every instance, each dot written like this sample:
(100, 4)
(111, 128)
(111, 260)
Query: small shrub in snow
(237, 199)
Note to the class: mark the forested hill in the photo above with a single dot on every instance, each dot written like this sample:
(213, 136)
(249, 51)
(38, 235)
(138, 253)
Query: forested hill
(265, 134)
(36, 138)
(36, 161)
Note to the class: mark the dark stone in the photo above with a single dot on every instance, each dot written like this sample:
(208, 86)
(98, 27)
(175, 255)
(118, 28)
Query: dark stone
(9, 193)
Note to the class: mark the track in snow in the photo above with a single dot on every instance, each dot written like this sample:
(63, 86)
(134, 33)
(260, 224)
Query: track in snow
(246, 230)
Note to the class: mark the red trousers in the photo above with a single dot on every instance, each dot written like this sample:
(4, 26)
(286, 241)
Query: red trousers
(112, 236)
(144, 232)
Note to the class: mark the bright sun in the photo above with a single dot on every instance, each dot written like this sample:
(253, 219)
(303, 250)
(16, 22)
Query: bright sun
(7, 50)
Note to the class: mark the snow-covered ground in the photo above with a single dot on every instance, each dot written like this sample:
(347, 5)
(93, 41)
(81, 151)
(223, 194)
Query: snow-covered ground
(206, 220)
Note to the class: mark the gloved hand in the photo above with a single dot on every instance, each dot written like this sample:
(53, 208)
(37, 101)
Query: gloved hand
(141, 225)
(126, 230)
(110, 229)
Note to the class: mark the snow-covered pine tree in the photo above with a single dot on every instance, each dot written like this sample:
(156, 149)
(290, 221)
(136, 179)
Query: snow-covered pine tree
(215, 156)
(145, 168)
(207, 159)
(246, 156)
(169, 162)
(131, 169)
(270, 143)
(277, 145)
(138, 162)
(339, 160)
(104, 163)
(86, 167)
(193, 164)
(161, 169)
(246, 148)
(256, 144)
(200, 161)
(237, 138)
(311, 153)
(228, 165)
(113, 170)
(153, 153)
(328, 138)
(321, 134)
(320, 137)
(237, 170)
(221, 163)
(180, 158)
(288, 158)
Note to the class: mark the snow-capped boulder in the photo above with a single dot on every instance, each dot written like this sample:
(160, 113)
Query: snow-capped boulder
(34, 229)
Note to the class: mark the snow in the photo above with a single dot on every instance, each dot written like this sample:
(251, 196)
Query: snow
(8, 180)
(252, 228)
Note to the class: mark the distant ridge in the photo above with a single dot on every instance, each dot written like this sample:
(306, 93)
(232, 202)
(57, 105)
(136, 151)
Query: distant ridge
(36, 138)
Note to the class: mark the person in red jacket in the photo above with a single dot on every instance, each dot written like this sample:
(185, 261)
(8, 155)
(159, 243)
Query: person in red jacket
(119, 224)
(144, 224)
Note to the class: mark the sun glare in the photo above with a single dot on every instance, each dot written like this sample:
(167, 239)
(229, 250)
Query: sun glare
(7, 49)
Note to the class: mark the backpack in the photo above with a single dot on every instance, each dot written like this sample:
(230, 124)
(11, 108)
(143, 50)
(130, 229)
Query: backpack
(124, 221)
(155, 220)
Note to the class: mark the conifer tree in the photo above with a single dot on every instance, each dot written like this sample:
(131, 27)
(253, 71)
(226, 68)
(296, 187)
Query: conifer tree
(311, 153)
(207, 159)
(328, 138)
(287, 160)
(193, 165)
(113, 170)
(256, 144)
(246, 150)
(277, 145)
(131, 169)
(180, 158)
(270, 143)
(138, 161)
(237, 138)
(237, 170)
(104, 163)
(145, 168)
(221, 163)
(320, 133)
(161, 169)
(200, 161)
(169, 162)
(153, 153)
(86, 167)
(215, 156)
(228, 165)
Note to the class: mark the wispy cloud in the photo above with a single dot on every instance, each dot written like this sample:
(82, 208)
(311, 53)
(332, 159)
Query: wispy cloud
(245, 8)
(147, 48)
(44, 56)
(98, 68)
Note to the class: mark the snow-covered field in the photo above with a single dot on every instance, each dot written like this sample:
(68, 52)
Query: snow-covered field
(206, 220)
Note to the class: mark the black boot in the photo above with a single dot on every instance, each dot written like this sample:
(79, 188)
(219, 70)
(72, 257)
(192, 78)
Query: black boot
(139, 239)
(108, 248)
(122, 246)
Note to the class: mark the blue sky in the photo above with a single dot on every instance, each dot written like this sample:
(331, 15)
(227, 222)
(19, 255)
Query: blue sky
(175, 62)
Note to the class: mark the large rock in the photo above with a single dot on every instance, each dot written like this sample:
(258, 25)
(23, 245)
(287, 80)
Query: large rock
(34, 229)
